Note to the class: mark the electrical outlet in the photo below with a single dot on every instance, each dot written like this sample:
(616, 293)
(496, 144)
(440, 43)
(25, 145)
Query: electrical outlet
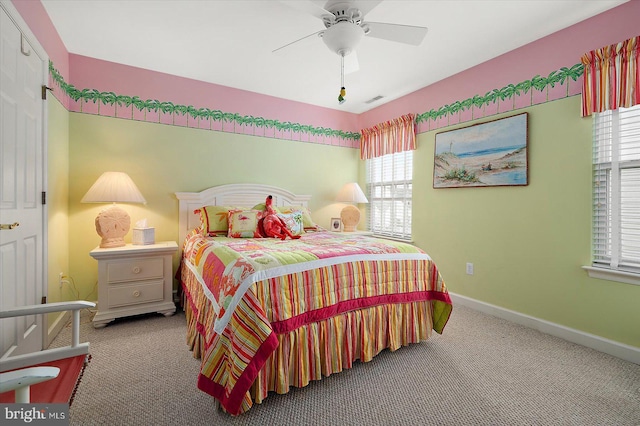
(469, 268)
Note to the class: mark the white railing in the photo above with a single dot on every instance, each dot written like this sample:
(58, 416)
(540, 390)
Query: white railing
(47, 355)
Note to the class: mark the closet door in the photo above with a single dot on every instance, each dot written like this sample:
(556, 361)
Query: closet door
(21, 206)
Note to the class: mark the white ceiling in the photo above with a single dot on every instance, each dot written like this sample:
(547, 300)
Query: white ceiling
(231, 42)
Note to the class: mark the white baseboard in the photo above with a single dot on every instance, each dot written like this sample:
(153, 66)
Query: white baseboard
(57, 325)
(611, 347)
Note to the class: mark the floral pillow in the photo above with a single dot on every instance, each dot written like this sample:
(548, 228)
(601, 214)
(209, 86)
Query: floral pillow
(307, 222)
(244, 223)
(214, 219)
(293, 221)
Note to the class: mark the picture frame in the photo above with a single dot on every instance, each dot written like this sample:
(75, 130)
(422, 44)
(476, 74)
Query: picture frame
(493, 153)
(336, 224)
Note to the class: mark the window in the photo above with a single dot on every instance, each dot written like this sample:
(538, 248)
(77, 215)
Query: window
(389, 189)
(616, 190)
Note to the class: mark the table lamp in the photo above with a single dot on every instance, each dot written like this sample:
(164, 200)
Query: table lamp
(350, 215)
(113, 223)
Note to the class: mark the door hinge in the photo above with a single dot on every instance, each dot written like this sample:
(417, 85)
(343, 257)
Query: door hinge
(44, 198)
(44, 92)
(44, 300)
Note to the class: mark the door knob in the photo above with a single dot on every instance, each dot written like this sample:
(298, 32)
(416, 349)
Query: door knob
(9, 225)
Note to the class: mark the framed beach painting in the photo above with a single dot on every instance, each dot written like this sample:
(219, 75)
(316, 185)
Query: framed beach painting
(486, 154)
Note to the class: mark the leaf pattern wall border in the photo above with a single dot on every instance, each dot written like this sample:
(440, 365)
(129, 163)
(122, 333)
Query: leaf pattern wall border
(152, 110)
(558, 84)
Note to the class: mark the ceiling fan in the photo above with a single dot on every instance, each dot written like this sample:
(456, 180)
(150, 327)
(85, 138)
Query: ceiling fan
(345, 27)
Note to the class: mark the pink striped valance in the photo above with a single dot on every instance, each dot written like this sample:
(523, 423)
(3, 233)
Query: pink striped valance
(611, 77)
(395, 135)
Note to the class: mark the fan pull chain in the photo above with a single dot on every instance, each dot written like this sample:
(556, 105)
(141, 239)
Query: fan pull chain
(343, 92)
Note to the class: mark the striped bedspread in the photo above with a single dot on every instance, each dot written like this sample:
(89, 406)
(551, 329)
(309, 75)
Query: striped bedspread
(259, 288)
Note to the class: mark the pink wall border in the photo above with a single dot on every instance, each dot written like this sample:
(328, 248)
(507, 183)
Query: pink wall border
(561, 49)
(122, 79)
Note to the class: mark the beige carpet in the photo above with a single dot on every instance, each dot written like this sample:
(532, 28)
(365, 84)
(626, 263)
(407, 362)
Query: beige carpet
(481, 371)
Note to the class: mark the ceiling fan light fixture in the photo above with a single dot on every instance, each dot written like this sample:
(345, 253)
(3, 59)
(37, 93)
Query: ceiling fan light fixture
(343, 37)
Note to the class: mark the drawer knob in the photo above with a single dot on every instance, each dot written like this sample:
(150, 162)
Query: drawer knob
(136, 293)
(136, 269)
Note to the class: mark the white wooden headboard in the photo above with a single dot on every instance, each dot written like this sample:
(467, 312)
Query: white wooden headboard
(237, 194)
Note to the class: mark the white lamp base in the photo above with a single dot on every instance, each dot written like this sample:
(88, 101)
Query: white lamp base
(112, 224)
(350, 216)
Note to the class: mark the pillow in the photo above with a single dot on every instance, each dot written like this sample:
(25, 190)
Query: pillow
(262, 207)
(244, 223)
(214, 219)
(293, 221)
(307, 222)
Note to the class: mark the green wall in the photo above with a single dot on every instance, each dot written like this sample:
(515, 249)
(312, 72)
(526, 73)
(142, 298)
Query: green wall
(57, 199)
(163, 159)
(527, 244)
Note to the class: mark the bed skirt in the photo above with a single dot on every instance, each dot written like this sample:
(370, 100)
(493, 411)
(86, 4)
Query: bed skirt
(317, 349)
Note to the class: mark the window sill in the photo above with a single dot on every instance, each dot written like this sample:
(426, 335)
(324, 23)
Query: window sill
(613, 275)
(387, 237)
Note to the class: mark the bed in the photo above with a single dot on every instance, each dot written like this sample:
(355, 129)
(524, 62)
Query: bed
(265, 314)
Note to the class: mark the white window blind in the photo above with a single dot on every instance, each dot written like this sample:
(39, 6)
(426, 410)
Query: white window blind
(616, 189)
(389, 190)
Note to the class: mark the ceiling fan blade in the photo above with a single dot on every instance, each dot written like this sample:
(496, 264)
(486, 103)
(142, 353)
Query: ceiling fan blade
(351, 64)
(306, 6)
(366, 6)
(407, 34)
(301, 41)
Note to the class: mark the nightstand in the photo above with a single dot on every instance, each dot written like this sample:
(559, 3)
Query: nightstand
(134, 279)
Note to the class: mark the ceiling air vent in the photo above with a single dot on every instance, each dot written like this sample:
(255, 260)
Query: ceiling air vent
(375, 98)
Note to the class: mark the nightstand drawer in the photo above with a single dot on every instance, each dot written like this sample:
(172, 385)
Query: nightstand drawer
(122, 295)
(135, 269)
